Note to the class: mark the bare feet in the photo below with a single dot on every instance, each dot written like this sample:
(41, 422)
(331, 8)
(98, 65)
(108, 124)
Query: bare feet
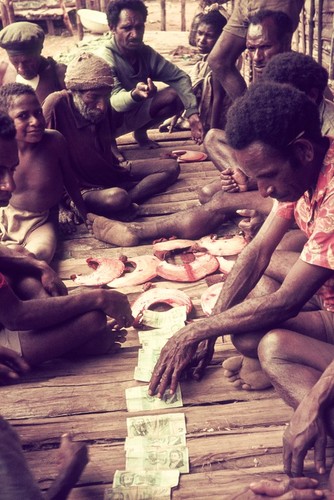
(206, 192)
(245, 373)
(73, 459)
(112, 231)
(233, 181)
(143, 141)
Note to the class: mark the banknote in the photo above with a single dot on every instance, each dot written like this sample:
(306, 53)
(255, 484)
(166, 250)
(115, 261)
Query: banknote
(173, 318)
(138, 493)
(155, 341)
(138, 399)
(165, 478)
(147, 359)
(141, 442)
(154, 458)
(157, 426)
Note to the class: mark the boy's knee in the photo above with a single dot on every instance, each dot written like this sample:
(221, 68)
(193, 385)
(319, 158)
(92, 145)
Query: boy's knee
(117, 199)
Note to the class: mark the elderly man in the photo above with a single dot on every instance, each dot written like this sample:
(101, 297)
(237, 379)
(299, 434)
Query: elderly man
(232, 41)
(23, 42)
(135, 66)
(285, 318)
(84, 116)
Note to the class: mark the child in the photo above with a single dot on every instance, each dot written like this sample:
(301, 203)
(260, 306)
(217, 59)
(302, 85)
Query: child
(205, 88)
(44, 170)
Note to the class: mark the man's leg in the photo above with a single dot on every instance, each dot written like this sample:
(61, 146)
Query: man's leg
(107, 202)
(88, 334)
(245, 371)
(165, 103)
(192, 224)
(153, 177)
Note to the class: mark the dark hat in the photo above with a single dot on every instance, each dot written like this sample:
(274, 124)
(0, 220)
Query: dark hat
(22, 38)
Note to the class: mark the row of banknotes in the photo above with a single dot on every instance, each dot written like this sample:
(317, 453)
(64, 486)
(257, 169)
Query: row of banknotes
(156, 454)
(155, 447)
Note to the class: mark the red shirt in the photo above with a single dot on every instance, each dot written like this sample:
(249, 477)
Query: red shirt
(314, 215)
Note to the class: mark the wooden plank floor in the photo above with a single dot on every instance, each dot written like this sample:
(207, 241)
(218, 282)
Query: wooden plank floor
(233, 436)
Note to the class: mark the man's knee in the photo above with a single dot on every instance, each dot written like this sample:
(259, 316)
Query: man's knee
(273, 345)
(246, 344)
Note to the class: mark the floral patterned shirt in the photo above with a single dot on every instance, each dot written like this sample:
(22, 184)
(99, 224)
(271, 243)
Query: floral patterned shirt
(314, 214)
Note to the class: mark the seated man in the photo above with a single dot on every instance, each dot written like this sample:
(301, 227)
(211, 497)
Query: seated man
(23, 42)
(304, 73)
(269, 33)
(232, 41)
(135, 66)
(84, 116)
(34, 324)
(285, 318)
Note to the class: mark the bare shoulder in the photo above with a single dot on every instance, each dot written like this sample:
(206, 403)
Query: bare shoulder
(55, 143)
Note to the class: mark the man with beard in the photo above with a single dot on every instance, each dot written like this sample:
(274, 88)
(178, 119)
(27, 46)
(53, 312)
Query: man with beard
(135, 67)
(84, 116)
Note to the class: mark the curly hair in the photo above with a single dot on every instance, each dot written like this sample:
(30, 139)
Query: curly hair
(11, 90)
(297, 69)
(274, 114)
(7, 127)
(282, 21)
(116, 6)
(215, 19)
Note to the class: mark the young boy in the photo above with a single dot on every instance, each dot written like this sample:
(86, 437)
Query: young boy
(44, 170)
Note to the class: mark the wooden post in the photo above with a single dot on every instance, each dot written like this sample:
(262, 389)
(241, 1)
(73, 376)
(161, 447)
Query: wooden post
(183, 15)
(331, 53)
(7, 12)
(79, 25)
(311, 27)
(66, 18)
(320, 17)
(163, 15)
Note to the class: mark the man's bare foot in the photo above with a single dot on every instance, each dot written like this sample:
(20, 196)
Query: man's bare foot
(245, 373)
(143, 140)
(112, 231)
(73, 459)
(206, 192)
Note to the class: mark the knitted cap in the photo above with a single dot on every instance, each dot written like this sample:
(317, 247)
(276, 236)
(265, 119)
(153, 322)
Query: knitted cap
(88, 71)
(22, 38)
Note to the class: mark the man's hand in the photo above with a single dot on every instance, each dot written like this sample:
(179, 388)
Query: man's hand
(12, 366)
(174, 358)
(116, 306)
(202, 358)
(306, 429)
(286, 489)
(197, 132)
(144, 90)
(251, 224)
(234, 180)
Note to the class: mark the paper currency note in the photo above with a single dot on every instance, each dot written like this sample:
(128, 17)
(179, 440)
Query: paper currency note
(138, 493)
(157, 426)
(153, 458)
(138, 399)
(173, 318)
(165, 478)
(141, 442)
(147, 359)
